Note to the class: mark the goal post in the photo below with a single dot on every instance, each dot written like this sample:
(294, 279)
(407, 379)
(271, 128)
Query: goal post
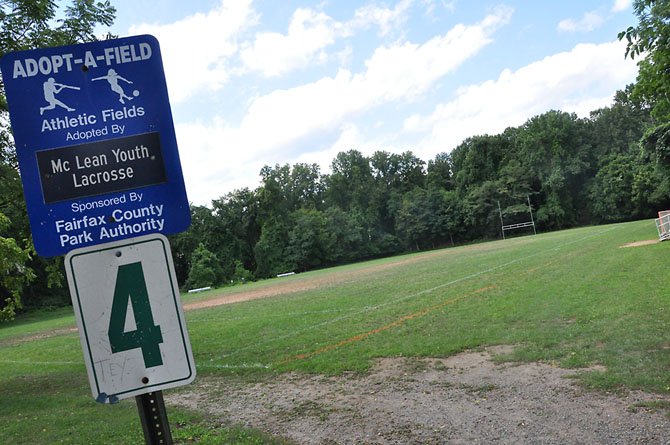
(519, 225)
(663, 225)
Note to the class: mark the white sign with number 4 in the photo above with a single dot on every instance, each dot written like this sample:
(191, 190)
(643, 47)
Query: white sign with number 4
(130, 318)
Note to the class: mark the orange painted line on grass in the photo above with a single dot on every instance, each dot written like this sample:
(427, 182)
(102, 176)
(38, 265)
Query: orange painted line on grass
(395, 324)
(535, 269)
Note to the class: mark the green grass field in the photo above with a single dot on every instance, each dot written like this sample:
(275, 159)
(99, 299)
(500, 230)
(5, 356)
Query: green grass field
(574, 298)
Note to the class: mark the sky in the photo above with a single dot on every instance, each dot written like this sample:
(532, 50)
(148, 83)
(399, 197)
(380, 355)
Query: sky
(255, 83)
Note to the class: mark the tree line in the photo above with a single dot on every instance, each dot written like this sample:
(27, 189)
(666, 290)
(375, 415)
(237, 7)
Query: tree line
(575, 171)
(611, 166)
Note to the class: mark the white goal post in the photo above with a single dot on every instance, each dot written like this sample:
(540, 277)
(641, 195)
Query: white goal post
(663, 225)
(520, 225)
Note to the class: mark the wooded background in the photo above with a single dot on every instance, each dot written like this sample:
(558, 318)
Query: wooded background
(612, 166)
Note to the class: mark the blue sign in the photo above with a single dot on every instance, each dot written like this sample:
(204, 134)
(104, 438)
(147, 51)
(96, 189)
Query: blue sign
(95, 143)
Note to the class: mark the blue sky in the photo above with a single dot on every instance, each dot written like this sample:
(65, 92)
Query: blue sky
(256, 83)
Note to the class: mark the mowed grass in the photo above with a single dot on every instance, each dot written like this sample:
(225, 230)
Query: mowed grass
(574, 298)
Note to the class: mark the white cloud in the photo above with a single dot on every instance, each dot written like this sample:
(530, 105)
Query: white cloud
(579, 81)
(196, 49)
(588, 22)
(449, 5)
(393, 73)
(345, 56)
(621, 5)
(387, 19)
(310, 33)
(313, 122)
(276, 122)
(349, 138)
(274, 54)
(200, 51)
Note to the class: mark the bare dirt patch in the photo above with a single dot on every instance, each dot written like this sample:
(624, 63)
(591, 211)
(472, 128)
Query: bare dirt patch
(298, 284)
(641, 243)
(276, 287)
(462, 399)
(40, 336)
(247, 295)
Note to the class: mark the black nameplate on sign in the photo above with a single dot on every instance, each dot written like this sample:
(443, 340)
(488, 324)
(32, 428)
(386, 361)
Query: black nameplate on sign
(101, 167)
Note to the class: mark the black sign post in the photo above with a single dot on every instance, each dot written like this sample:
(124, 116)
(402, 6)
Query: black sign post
(154, 418)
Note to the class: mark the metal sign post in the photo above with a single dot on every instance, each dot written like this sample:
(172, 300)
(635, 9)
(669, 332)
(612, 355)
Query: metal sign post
(131, 325)
(102, 179)
(154, 418)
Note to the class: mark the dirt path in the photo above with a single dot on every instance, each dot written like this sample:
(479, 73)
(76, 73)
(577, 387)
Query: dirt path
(300, 284)
(463, 399)
(642, 243)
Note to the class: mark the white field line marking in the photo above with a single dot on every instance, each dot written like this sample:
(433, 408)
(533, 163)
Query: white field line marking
(343, 317)
(414, 295)
(255, 317)
(18, 362)
(199, 365)
(240, 366)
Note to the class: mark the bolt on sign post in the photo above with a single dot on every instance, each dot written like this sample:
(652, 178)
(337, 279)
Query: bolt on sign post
(103, 182)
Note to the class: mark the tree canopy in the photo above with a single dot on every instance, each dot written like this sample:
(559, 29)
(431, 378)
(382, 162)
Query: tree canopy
(573, 170)
(29, 24)
(611, 166)
(650, 41)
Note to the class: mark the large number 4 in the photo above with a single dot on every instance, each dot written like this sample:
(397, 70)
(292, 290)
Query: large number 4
(130, 285)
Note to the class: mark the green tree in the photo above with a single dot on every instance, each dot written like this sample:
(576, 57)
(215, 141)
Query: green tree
(309, 241)
(205, 269)
(611, 191)
(650, 39)
(428, 218)
(478, 159)
(415, 217)
(29, 24)
(556, 149)
(450, 222)
(394, 174)
(350, 240)
(439, 172)
(352, 187)
(621, 187)
(14, 275)
(286, 189)
(270, 250)
(306, 188)
(618, 129)
(242, 275)
(480, 210)
(237, 216)
(651, 188)
(349, 184)
(656, 150)
(185, 243)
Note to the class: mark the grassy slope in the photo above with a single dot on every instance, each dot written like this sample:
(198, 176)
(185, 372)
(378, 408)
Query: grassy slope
(573, 297)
